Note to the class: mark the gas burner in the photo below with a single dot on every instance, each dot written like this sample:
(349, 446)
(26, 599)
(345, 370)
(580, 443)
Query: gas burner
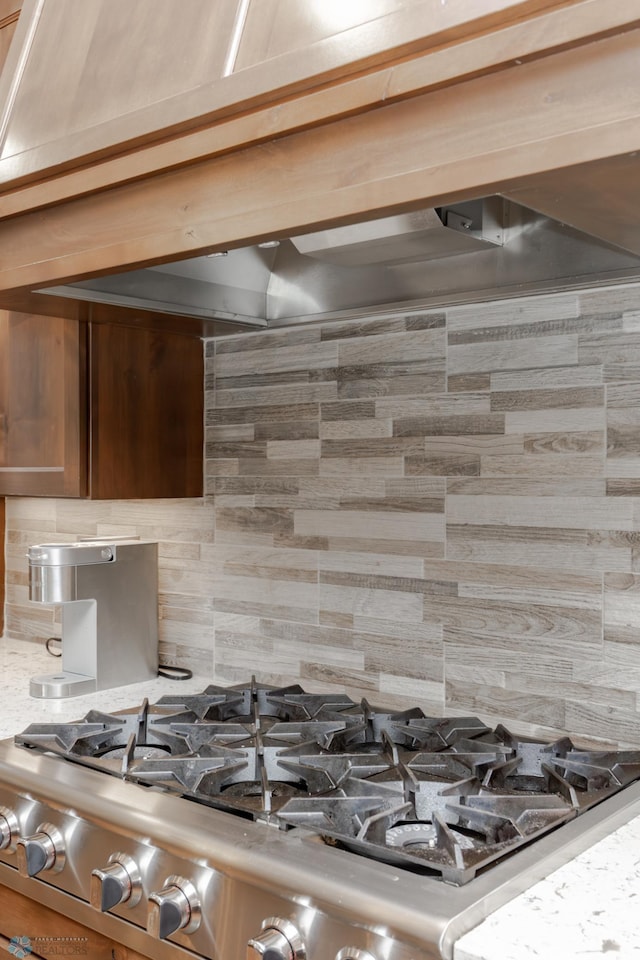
(442, 795)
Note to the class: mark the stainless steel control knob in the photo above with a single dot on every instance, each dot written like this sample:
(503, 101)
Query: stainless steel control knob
(9, 829)
(43, 850)
(118, 882)
(175, 907)
(279, 940)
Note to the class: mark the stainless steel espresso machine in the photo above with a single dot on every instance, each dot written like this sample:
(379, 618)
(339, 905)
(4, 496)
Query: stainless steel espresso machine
(108, 591)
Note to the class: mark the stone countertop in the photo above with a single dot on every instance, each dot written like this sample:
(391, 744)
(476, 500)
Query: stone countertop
(20, 660)
(584, 909)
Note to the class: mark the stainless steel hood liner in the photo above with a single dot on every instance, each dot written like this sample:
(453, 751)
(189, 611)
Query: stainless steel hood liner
(410, 237)
(486, 249)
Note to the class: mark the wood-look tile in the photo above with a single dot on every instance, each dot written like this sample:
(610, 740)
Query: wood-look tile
(506, 703)
(583, 550)
(346, 679)
(540, 512)
(517, 577)
(585, 419)
(400, 504)
(381, 524)
(373, 466)
(228, 450)
(287, 430)
(622, 467)
(440, 405)
(509, 313)
(371, 581)
(623, 433)
(364, 328)
(348, 410)
(416, 548)
(624, 488)
(364, 564)
(585, 324)
(293, 450)
(559, 627)
(295, 394)
(372, 447)
(469, 382)
(393, 348)
(274, 379)
(552, 378)
(492, 662)
(525, 487)
(565, 443)
(618, 353)
(557, 466)
(305, 467)
(265, 413)
(267, 340)
(231, 431)
(478, 445)
(390, 384)
(559, 399)
(416, 487)
(557, 351)
(425, 321)
(343, 489)
(355, 429)
(452, 426)
(353, 601)
(447, 465)
(276, 359)
(603, 721)
(605, 299)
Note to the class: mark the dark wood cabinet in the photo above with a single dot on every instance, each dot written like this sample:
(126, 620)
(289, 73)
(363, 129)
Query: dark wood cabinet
(100, 410)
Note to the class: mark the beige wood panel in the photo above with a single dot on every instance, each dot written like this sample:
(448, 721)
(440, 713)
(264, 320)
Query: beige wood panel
(92, 62)
(276, 27)
(524, 29)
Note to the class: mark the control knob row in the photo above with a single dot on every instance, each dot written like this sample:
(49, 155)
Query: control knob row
(176, 907)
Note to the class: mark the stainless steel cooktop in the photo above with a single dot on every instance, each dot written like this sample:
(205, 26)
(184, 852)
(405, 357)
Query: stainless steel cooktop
(332, 830)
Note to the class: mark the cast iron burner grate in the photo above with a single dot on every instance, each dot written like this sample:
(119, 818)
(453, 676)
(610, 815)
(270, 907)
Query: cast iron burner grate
(442, 795)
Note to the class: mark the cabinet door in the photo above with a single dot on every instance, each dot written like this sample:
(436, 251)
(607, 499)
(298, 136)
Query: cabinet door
(42, 406)
(146, 413)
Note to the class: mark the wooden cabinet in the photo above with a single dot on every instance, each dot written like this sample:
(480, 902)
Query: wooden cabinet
(50, 934)
(101, 410)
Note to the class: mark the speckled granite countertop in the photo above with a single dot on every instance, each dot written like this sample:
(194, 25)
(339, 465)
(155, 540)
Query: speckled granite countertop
(582, 910)
(587, 908)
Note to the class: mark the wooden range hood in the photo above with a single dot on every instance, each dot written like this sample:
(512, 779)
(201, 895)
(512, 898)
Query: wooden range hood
(423, 105)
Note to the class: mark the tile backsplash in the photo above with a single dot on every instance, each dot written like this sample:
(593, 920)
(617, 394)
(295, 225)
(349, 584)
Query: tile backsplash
(441, 508)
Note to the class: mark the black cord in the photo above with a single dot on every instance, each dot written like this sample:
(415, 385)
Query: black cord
(48, 643)
(175, 673)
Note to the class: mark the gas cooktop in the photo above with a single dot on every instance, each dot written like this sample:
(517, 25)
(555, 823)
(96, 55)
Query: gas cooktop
(443, 796)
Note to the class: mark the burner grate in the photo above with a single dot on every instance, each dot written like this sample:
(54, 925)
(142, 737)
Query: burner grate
(446, 796)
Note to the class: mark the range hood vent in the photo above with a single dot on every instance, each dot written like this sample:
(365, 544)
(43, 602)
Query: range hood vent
(486, 249)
